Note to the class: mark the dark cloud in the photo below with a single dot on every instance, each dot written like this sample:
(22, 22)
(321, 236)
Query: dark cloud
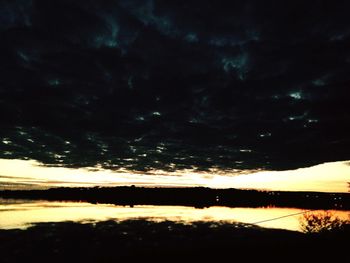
(148, 85)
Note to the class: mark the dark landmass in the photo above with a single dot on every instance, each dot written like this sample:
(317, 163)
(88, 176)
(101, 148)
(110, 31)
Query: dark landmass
(194, 196)
(140, 241)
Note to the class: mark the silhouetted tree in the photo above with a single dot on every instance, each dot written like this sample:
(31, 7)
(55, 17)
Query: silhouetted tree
(319, 222)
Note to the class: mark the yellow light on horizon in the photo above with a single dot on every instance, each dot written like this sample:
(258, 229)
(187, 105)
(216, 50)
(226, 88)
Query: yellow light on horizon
(327, 177)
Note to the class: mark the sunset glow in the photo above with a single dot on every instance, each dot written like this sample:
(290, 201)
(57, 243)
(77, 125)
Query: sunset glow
(327, 177)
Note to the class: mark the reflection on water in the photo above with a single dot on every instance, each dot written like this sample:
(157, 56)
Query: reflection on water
(22, 213)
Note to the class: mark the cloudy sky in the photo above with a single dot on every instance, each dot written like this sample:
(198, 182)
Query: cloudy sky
(175, 85)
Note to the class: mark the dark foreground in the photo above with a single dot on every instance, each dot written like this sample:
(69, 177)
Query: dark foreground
(145, 241)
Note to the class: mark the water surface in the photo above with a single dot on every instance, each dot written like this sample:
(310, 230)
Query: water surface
(23, 213)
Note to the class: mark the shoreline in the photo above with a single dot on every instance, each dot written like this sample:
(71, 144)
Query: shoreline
(187, 196)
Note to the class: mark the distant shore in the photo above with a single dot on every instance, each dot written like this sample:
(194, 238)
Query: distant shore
(192, 196)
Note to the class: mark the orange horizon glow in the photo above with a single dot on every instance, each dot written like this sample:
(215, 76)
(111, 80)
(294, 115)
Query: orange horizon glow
(30, 174)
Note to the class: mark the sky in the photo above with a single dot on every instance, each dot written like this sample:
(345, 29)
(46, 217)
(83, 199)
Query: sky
(328, 177)
(189, 87)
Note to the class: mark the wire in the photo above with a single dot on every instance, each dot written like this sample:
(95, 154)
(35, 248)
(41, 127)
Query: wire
(276, 218)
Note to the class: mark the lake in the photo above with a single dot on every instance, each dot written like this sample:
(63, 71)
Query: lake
(17, 213)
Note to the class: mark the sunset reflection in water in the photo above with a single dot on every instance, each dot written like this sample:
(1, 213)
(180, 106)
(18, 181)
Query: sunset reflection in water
(23, 213)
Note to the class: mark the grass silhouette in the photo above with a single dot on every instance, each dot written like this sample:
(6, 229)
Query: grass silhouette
(143, 240)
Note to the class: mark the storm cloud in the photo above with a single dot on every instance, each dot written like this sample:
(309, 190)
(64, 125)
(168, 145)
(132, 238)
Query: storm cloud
(169, 85)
